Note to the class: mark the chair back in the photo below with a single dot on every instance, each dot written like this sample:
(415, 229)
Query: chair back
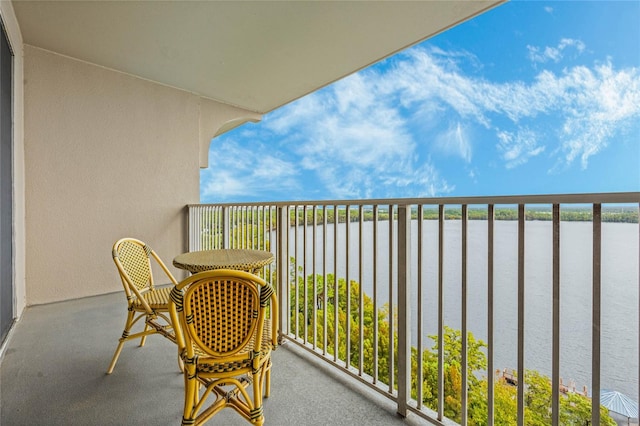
(220, 312)
(133, 260)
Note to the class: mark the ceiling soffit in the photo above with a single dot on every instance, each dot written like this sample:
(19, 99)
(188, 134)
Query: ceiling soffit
(255, 55)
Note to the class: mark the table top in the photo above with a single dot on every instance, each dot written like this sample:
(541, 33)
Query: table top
(206, 260)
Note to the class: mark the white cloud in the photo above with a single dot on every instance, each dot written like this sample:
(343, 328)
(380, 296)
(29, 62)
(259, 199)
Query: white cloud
(591, 104)
(357, 142)
(518, 148)
(235, 170)
(555, 54)
(425, 181)
(455, 141)
(599, 103)
(424, 77)
(284, 119)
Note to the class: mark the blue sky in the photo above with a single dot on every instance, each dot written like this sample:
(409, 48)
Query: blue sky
(532, 97)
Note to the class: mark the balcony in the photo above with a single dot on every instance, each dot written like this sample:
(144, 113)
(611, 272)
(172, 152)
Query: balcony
(529, 276)
(115, 121)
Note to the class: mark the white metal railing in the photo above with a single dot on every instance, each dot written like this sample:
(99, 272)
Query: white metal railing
(328, 252)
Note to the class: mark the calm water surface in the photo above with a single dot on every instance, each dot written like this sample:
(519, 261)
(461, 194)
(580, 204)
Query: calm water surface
(619, 358)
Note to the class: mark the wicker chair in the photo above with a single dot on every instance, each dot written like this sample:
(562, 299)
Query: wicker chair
(133, 260)
(225, 340)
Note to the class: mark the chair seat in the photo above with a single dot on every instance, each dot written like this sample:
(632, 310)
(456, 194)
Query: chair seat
(157, 299)
(206, 364)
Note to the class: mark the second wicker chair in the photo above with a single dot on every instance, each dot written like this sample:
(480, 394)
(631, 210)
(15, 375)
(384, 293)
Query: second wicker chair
(144, 300)
(225, 340)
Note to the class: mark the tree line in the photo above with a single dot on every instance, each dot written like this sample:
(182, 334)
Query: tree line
(609, 214)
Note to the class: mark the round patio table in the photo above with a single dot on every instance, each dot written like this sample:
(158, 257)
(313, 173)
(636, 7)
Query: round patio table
(207, 260)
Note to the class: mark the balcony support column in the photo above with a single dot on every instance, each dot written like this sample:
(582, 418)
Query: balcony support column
(404, 308)
(282, 269)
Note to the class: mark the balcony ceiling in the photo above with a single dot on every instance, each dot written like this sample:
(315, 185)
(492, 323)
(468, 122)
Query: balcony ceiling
(257, 55)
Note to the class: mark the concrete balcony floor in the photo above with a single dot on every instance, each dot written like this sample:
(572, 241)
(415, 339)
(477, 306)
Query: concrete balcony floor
(53, 373)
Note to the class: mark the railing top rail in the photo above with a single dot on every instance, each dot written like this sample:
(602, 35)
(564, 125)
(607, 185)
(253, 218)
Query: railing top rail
(587, 198)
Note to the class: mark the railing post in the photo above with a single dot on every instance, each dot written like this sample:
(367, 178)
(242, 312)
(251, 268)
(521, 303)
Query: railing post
(226, 227)
(404, 308)
(441, 219)
(490, 316)
(555, 343)
(596, 320)
(190, 232)
(464, 351)
(521, 316)
(282, 240)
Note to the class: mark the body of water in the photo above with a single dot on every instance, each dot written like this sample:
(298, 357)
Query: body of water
(619, 356)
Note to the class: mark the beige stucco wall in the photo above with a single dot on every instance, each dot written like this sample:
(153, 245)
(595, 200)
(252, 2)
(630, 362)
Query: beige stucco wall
(107, 155)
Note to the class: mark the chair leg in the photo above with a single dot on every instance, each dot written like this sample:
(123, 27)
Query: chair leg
(144, 338)
(266, 377)
(180, 364)
(115, 357)
(190, 396)
(125, 334)
(257, 417)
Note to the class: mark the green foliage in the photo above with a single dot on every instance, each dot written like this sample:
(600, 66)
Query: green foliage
(452, 361)
(312, 299)
(504, 404)
(247, 228)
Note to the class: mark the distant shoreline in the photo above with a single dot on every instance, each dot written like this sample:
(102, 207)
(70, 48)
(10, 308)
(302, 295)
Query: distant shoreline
(570, 214)
(616, 215)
